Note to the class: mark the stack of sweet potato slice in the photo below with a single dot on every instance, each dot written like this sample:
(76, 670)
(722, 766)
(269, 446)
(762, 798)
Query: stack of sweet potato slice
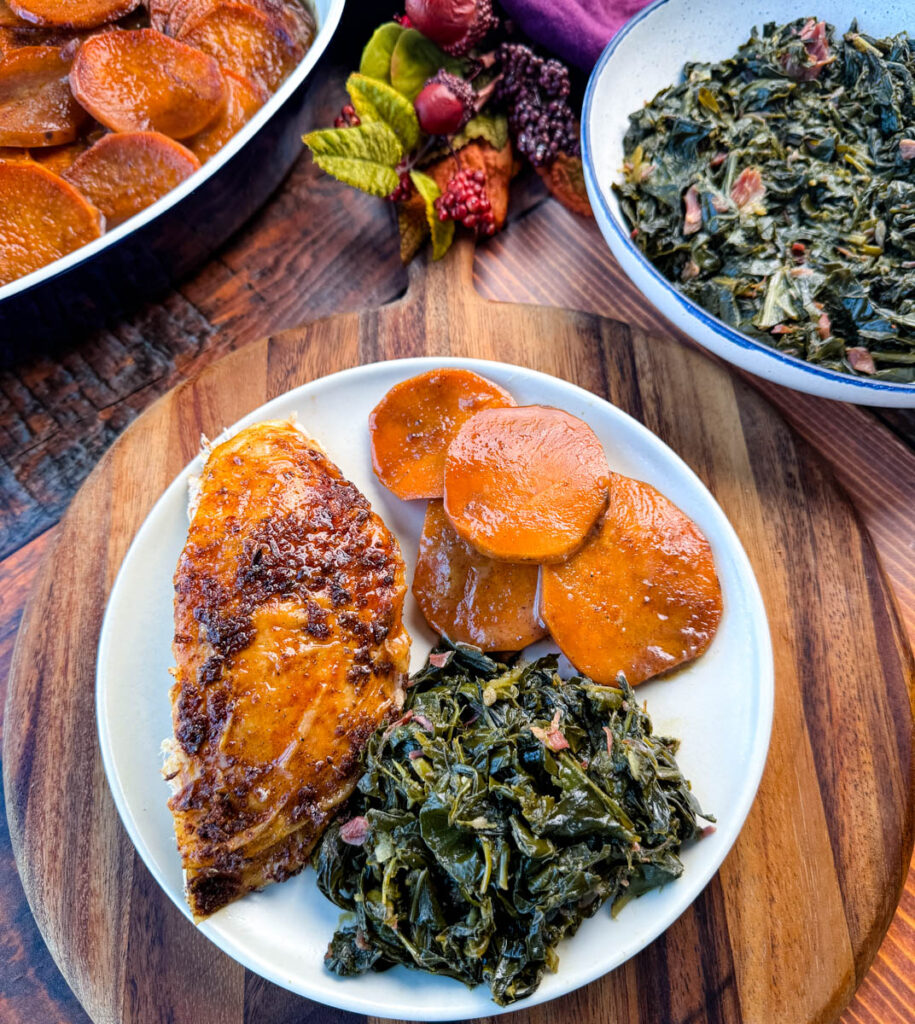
(528, 532)
(107, 105)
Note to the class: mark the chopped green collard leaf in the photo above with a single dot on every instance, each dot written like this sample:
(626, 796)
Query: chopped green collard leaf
(777, 190)
(502, 809)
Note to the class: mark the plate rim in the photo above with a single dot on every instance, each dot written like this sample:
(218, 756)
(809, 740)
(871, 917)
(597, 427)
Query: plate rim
(353, 1000)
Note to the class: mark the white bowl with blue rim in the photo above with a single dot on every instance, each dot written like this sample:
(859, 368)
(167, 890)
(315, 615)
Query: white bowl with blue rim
(648, 55)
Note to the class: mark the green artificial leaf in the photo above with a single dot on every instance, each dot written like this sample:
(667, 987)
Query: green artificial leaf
(376, 101)
(442, 230)
(415, 60)
(364, 156)
(376, 57)
(491, 128)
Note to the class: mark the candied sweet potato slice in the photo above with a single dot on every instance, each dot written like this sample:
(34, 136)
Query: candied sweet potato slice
(525, 484)
(301, 23)
(42, 217)
(8, 17)
(244, 100)
(158, 11)
(245, 40)
(60, 158)
(471, 598)
(72, 13)
(294, 16)
(141, 80)
(181, 11)
(641, 597)
(36, 105)
(417, 419)
(14, 37)
(125, 172)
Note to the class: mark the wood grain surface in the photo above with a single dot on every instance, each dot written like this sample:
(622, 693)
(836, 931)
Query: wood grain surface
(791, 922)
(316, 248)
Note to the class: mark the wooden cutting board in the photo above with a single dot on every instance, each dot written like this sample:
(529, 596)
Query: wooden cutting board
(794, 917)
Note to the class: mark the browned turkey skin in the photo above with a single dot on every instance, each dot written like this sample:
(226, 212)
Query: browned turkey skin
(289, 649)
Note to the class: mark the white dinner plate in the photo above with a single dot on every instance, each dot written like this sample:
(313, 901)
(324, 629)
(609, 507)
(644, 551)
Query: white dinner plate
(720, 707)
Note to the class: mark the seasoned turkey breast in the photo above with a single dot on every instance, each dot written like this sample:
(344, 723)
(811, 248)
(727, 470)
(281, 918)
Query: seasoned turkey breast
(290, 650)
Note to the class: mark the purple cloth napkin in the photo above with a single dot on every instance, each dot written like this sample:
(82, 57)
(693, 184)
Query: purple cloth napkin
(576, 30)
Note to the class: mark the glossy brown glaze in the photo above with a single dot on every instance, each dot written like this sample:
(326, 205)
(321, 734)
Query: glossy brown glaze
(641, 596)
(72, 13)
(125, 172)
(525, 484)
(42, 217)
(245, 98)
(248, 41)
(471, 598)
(412, 426)
(37, 107)
(290, 650)
(142, 80)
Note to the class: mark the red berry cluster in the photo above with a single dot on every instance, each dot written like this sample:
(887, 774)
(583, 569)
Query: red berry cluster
(405, 189)
(347, 118)
(466, 201)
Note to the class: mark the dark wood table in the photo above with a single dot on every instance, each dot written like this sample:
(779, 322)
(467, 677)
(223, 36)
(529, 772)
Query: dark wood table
(319, 248)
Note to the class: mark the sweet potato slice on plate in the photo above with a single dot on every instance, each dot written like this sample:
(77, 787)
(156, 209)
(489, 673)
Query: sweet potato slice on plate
(525, 484)
(42, 217)
(141, 80)
(471, 598)
(412, 426)
(72, 13)
(126, 172)
(244, 100)
(245, 40)
(641, 596)
(36, 105)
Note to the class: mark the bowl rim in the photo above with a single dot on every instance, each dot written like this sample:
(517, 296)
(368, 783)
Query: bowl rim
(323, 35)
(692, 309)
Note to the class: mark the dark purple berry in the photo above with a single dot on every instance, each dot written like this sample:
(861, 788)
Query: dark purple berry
(535, 93)
(444, 105)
